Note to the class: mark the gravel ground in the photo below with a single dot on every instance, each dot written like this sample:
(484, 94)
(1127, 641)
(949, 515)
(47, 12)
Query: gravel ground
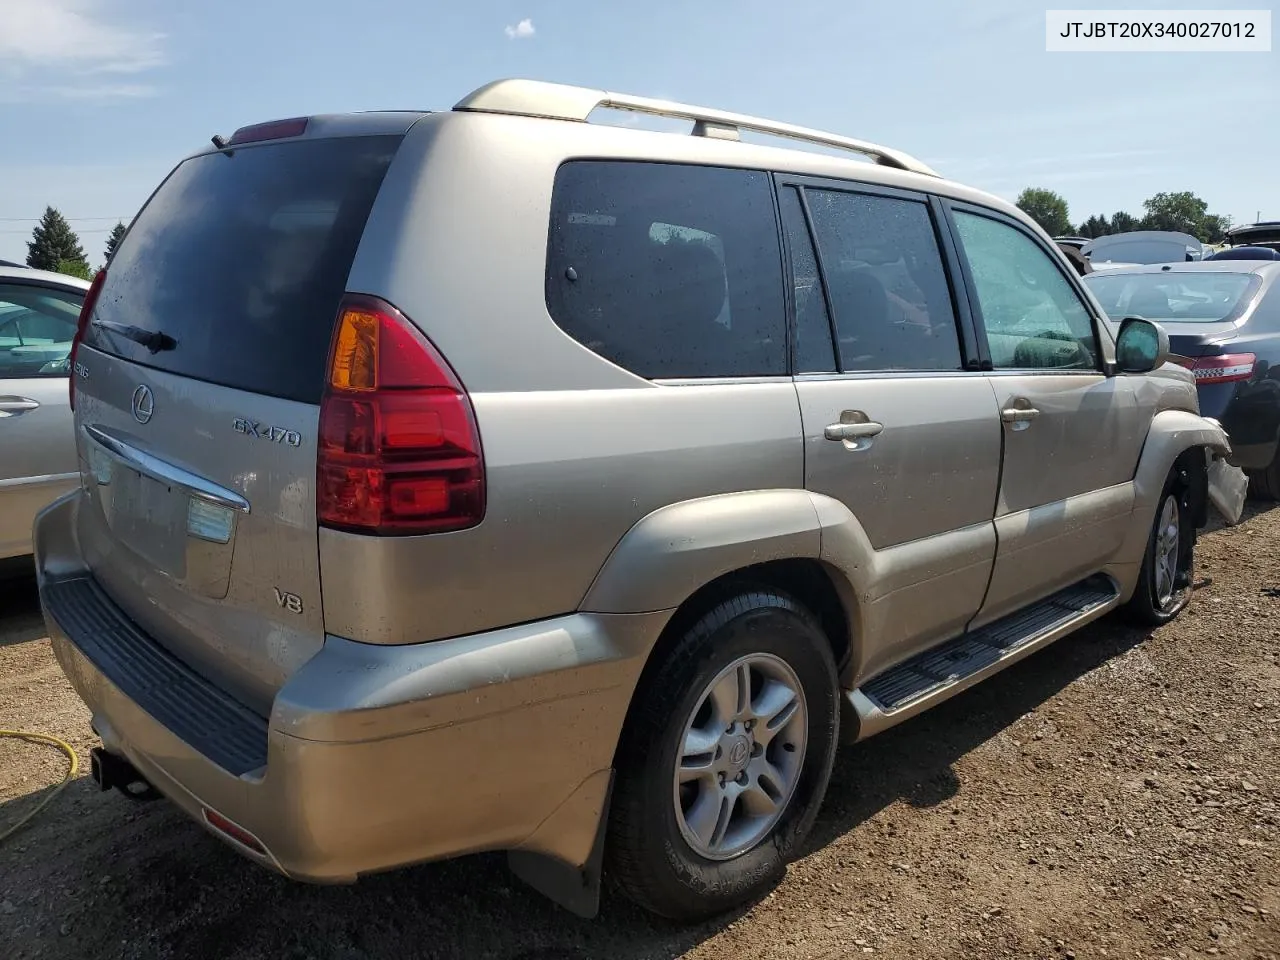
(1113, 796)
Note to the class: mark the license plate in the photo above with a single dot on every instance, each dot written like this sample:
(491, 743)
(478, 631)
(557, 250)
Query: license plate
(150, 517)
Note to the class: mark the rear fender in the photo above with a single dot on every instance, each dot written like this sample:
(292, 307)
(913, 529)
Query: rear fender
(674, 551)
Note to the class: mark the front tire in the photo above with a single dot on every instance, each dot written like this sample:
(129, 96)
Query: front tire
(725, 759)
(1164, 584)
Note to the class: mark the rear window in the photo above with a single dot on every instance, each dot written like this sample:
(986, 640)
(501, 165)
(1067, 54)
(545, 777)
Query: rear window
(1191, 297)
(669, 271)
(242, 258)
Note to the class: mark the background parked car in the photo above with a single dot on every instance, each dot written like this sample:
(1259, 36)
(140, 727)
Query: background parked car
(1223, 318)
(1245, 253)
(1076, 242)
(1263, 234)
(38, 313)
(1143, 246)
(1072, 252)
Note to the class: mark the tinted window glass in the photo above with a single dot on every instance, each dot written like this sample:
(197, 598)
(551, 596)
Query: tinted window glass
(666, 270)
(888, 287)
(814, 350)
(1034, 318)
(1197, 297)
(242, 258)
(37, 325)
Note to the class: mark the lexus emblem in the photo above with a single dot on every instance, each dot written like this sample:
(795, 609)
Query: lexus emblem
(144, 403)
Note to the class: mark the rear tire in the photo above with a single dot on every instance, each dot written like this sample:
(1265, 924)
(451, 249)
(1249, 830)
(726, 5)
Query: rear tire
(1265, 484)
(717, 789)
(1164, 584)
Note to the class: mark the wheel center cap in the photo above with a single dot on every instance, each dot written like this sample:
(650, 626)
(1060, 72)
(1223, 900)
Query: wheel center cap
(738, 752)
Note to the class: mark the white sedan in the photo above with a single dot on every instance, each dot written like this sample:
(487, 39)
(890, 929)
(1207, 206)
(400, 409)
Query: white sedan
(38, 314)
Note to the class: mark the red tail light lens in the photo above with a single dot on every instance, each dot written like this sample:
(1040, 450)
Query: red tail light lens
(399, 444)
(82, 322)
(1228, 368)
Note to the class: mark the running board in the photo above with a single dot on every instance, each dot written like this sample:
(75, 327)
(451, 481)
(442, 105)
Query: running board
(938, 674)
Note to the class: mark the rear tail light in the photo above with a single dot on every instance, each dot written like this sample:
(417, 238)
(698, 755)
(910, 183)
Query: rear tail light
(399, 445)
(1224, 369)
(82, 322)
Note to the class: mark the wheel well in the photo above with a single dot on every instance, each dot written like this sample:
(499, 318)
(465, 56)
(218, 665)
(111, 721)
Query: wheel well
(1193, 475)
(809, 581)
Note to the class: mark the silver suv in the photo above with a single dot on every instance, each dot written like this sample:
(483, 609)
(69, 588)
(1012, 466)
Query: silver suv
(492, 479)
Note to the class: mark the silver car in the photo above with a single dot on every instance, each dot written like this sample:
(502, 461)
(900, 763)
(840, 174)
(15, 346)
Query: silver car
(492, 479)
(38, 313)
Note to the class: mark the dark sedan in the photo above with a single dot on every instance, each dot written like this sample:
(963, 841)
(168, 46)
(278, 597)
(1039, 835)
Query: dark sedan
(1223, 319)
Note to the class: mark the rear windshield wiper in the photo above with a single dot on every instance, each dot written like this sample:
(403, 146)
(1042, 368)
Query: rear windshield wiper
(153, 340)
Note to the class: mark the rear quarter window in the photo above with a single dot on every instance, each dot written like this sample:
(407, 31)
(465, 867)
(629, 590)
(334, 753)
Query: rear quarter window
(669, 271)
(242, 257)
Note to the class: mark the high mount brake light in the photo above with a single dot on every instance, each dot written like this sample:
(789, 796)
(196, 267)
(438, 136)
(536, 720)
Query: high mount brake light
(399, 449)
(272, 130)
(1229, 368)
(82, 323)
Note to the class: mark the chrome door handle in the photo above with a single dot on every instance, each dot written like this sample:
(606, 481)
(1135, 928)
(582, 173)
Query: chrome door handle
(1019, 414)
(853, 431)
(13, 406)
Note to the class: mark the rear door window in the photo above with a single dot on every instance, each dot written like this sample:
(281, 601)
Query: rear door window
(888, 287)
(669, 271)
(241, 258)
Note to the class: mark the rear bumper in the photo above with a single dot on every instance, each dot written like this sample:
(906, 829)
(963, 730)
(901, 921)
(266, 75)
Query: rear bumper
(373, 757)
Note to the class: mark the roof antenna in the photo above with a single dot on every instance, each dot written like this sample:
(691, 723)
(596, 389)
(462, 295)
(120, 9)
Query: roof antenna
(218, 141)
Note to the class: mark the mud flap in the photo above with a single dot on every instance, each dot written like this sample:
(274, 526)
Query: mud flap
(1228, 487)
(576, 888)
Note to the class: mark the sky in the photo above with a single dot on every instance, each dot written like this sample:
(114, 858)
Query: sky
(100, 98)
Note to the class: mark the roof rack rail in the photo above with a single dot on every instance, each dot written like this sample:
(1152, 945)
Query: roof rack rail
(555, 101)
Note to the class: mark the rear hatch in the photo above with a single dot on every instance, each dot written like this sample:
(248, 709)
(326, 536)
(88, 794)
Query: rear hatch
(197, 391)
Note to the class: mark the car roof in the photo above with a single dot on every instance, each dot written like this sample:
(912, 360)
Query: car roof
(1262, 267)
(44, 278)
(568, 107)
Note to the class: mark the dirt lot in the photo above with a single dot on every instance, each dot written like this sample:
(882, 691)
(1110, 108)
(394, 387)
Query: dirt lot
(1114, 796)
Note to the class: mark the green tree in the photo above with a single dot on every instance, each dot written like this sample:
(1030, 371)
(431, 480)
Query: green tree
(1095, 226)
(75, 268)
(1047, 209)
(1185, 213)
(1182, 211)
(53, 242)
(1122, 222)
(1214, 227)
(113, 241)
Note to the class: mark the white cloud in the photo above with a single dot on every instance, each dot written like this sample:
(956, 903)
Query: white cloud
(19, 93)
(521, 31)
(106, 91)
(72, 35)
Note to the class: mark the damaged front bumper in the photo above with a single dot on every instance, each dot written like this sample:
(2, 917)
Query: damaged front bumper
(1228, 485)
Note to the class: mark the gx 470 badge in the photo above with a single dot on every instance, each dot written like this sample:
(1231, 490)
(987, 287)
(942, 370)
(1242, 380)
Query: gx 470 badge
(262, 431)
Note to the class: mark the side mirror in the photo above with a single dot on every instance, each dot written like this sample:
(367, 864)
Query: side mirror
(1141, 346)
